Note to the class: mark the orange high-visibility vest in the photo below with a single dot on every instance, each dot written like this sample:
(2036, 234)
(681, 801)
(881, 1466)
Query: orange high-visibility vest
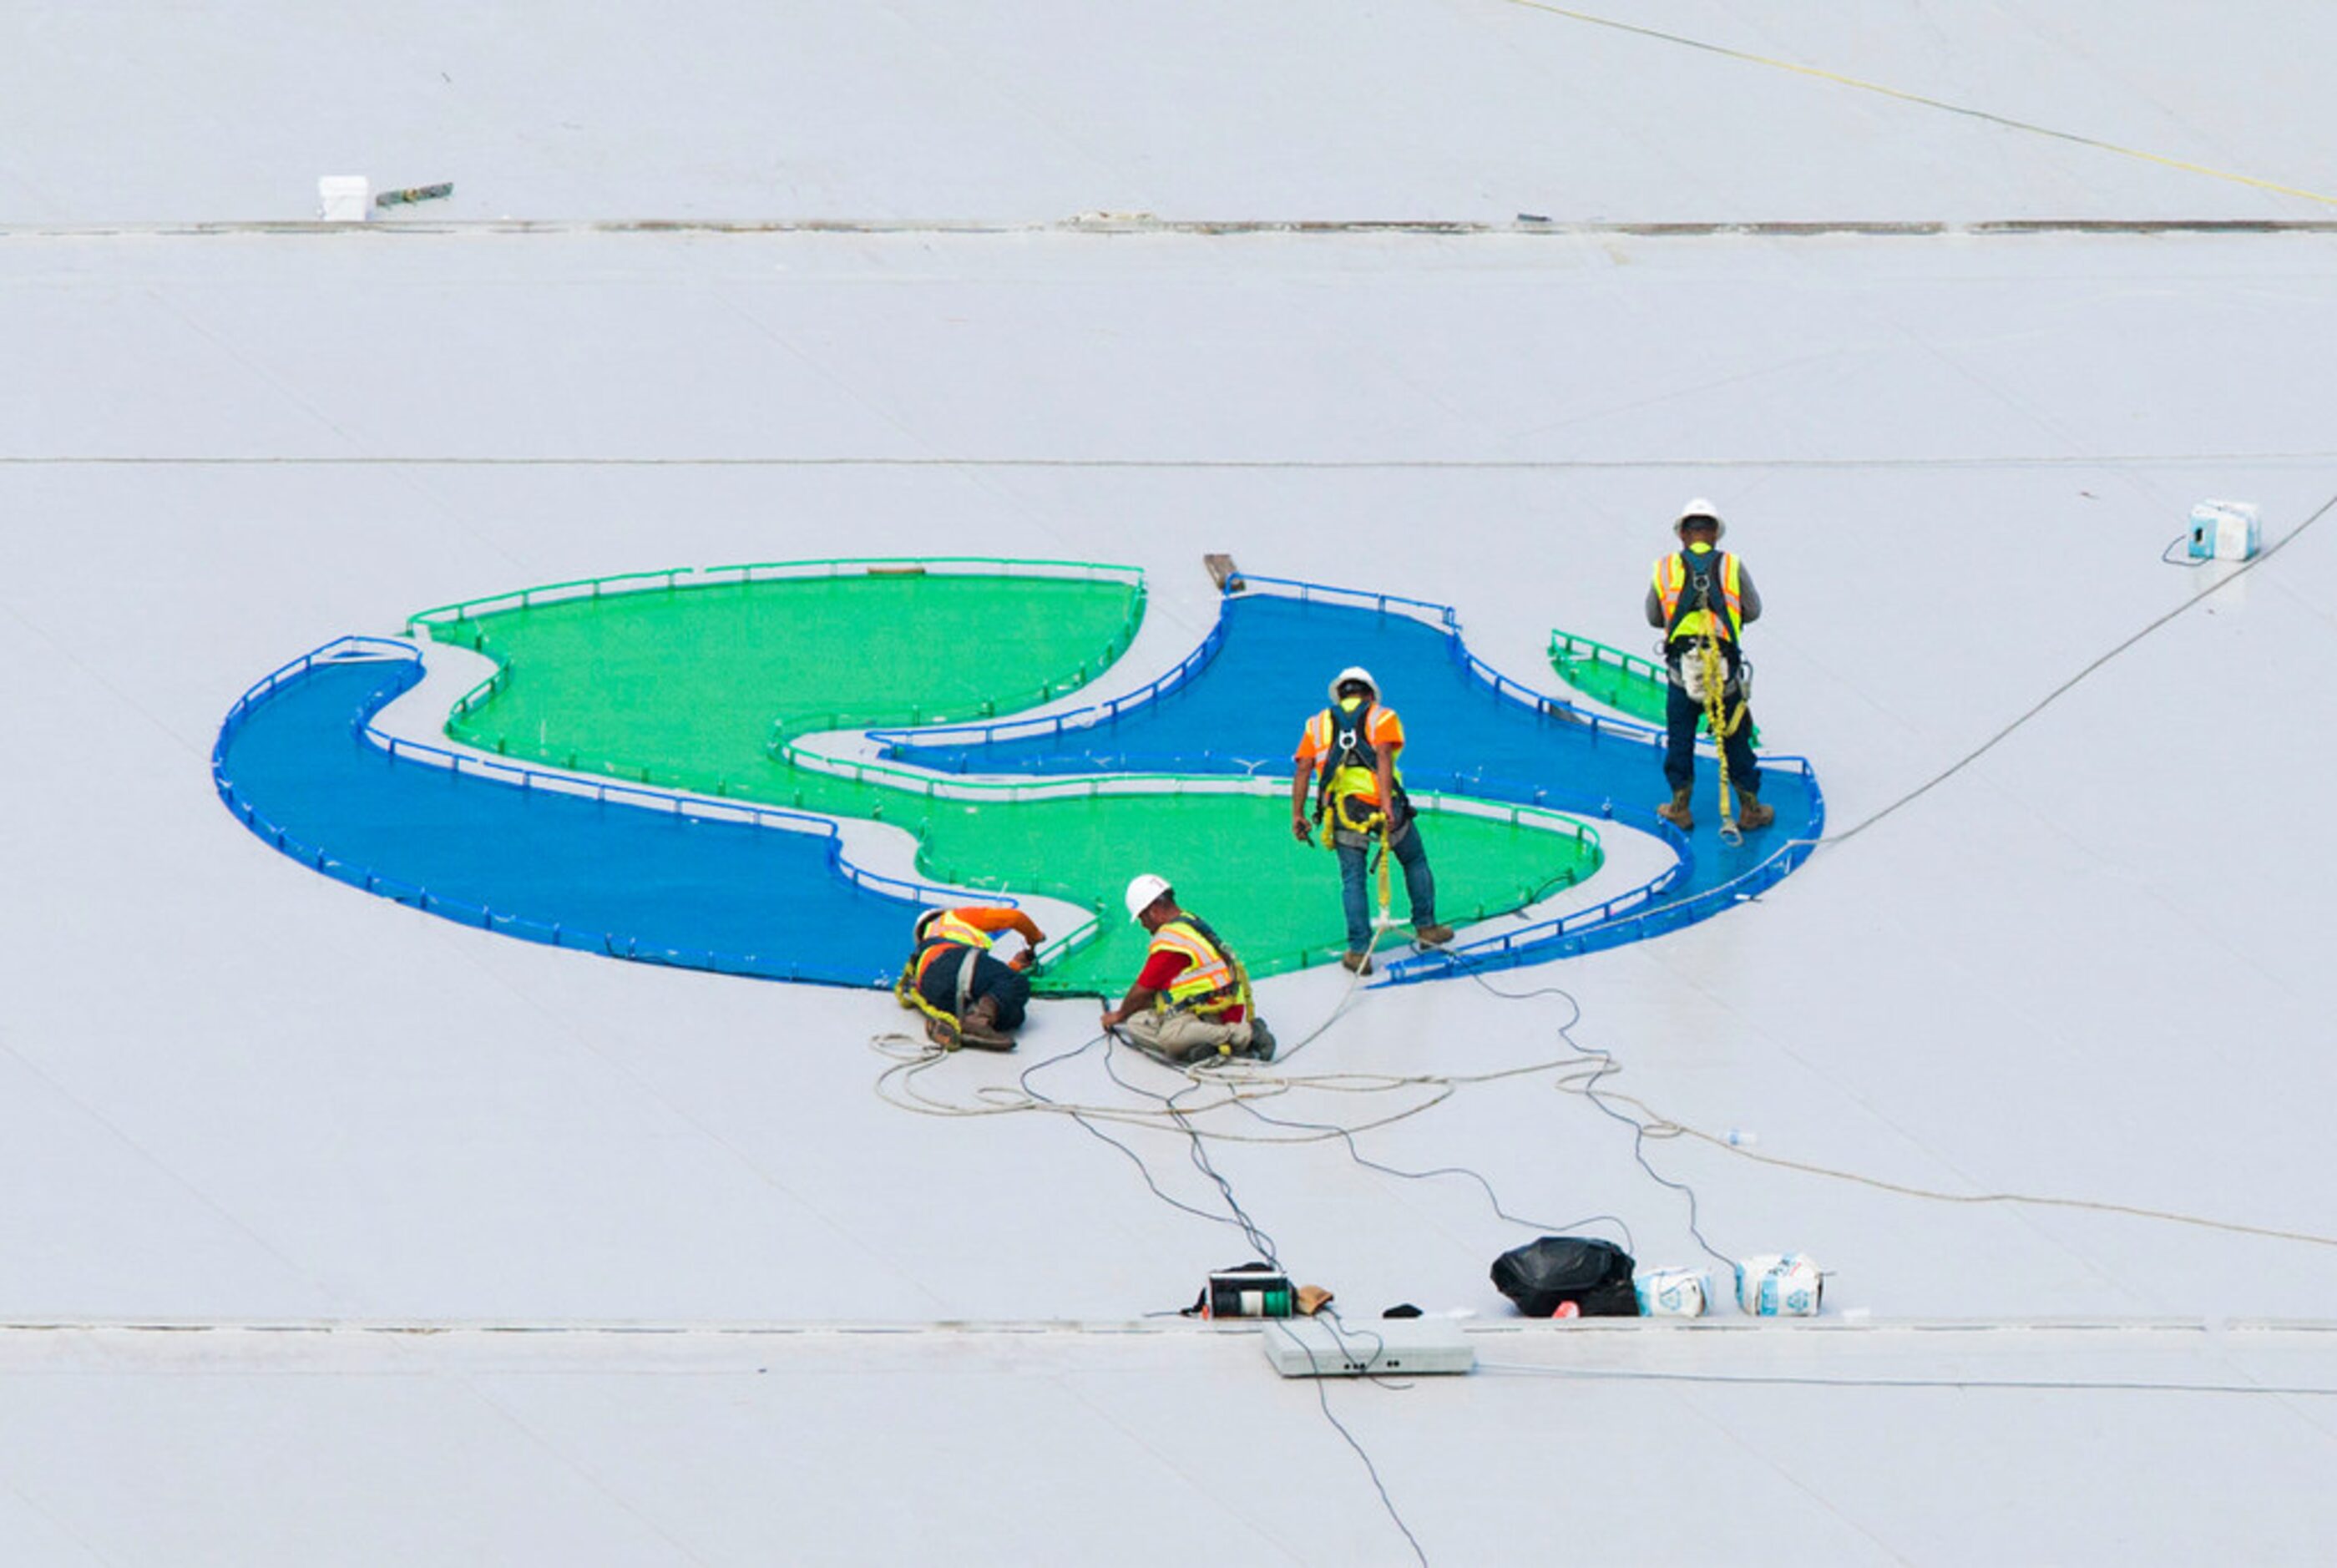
(948, 930)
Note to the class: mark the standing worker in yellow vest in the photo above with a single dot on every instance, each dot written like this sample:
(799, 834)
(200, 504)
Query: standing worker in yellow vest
(968, 997)
(1703, 593)
(1191, 1002)
(1362, 803)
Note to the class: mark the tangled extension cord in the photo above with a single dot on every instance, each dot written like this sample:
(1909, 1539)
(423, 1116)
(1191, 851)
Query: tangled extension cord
(1586, 1083)
(1264, 1244)
(911, 1058)
(1656, 1125)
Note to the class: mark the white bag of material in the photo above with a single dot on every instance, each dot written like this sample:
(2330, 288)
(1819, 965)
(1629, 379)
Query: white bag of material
(2225, 530)
(1779, 1285)
(344, 199)
(1673, 1292)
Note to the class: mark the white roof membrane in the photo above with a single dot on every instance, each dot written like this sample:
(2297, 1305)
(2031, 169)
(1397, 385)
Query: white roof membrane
(712, 1295)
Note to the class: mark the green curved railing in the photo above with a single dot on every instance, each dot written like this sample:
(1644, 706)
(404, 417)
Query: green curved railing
(633, 676)
(1624, 681)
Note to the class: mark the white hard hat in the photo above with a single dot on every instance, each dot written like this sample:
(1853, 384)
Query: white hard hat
(923, 921)
(1352, 673)
(1145, 892)
(1700, 507)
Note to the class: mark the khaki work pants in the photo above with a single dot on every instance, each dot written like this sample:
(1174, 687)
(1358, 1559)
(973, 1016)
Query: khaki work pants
(1182, 1037)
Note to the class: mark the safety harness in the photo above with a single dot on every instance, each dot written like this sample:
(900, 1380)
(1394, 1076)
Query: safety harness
(1213, 981)
(1348, 723)
(946, 930)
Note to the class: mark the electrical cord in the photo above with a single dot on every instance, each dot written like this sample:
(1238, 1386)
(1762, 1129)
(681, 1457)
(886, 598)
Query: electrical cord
(1264, 1244)
(1984, 747)
(1492, 1197)
(1323, 1399)
(1588, 1087)
(1656, 1125)
(2168, 556)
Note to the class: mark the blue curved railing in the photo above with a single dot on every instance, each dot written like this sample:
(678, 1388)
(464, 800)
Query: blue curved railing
(1664, 902)
(461, 765)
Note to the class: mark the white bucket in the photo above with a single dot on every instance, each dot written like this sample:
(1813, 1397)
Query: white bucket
(1779, 1285)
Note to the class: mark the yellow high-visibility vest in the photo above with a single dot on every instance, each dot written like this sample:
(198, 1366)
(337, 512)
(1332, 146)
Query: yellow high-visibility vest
(1671, 582)
(1207, 983)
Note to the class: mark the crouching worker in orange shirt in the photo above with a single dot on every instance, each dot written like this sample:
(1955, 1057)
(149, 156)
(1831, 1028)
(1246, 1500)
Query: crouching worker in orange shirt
(968, 997)
(1191, 1002)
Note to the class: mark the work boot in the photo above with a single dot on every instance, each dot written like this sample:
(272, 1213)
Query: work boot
(941, 1031)
(1751, 813)
(1433, 935)
(978, 1027)
(1356, 963)
(1677, 813)
(1261, 1041)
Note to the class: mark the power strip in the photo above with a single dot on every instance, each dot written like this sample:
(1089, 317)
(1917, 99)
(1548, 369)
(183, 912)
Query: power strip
(1316, 1347)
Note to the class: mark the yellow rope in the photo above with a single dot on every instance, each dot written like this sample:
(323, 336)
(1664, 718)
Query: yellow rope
(1841, 80)
(1716, 719)
(905, 992)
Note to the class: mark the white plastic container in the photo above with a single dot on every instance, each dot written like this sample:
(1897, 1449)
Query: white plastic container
(1673, 1292)
(2225, 531)
(344, 199)
(1779, 1285)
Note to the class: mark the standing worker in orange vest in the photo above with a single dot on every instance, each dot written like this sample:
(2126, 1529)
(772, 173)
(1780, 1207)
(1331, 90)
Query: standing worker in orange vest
(1702, 593)
(968, 997)
(1354, 742)
(1191, 1002)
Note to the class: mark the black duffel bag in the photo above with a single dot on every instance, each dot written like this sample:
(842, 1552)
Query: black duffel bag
(1596, 1275)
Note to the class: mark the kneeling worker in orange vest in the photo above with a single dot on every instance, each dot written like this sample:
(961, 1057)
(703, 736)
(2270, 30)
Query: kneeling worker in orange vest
(1191, 1002)
(968, 997)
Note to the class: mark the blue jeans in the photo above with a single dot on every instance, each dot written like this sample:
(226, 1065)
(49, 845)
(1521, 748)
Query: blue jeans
(1681, 715)
(1358, 893)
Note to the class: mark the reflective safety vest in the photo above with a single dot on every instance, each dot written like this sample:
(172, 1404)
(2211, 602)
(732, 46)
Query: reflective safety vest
(1349, 761)
(1211, 981)
(948, 931)
(1677, 582)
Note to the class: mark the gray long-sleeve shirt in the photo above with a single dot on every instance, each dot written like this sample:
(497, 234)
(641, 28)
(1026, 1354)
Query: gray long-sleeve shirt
(1748, 595)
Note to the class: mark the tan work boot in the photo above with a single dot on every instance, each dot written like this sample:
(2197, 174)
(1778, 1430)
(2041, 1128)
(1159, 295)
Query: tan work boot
(1751, 813)
(1677, 813)
(1433, 935)
(1356, 963)
(978, 1027)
